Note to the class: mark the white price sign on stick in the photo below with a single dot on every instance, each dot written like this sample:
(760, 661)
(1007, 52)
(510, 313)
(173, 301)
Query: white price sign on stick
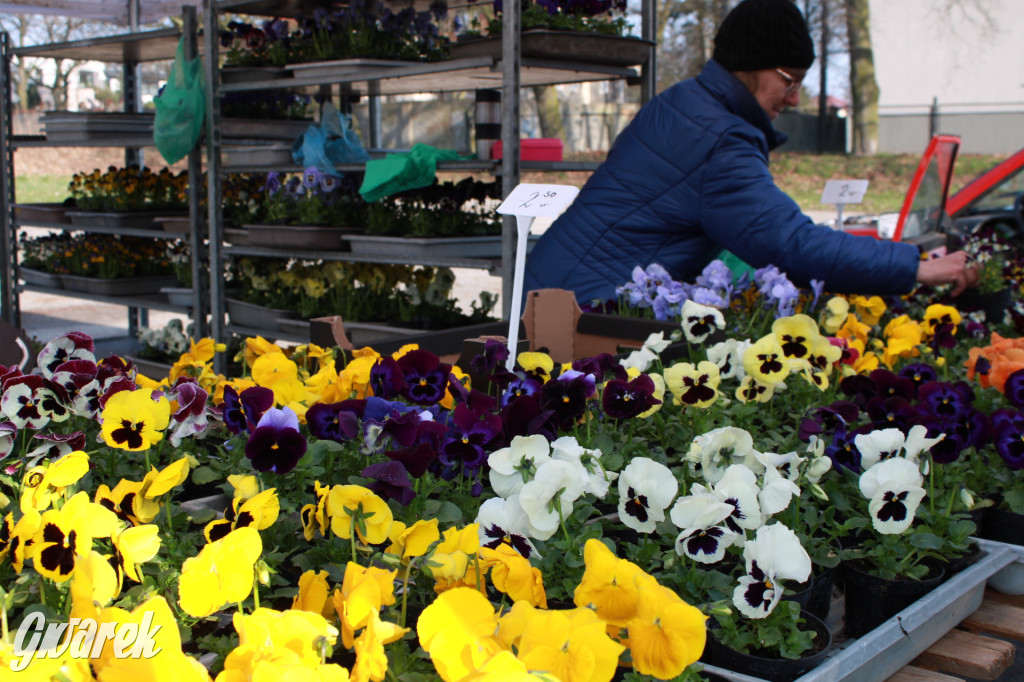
(841, 193)
(527, 202)
(844, 191)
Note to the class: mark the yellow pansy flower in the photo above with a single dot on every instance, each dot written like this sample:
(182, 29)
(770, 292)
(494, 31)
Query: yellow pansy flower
(538, 364)
(66, 533)
(571, 645)
(134, 421)
(836, 311)
(271, 368)
(869, 309)
(314, 593)
(415, 540)
(222, 573)
(41, 485)
(693, 385)
(667, 634)
(457, 630)
(512, 574)
(765, 360)
(355, 507)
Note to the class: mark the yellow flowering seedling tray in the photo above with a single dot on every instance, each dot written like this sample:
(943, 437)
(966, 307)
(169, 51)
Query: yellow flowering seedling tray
(885, 650)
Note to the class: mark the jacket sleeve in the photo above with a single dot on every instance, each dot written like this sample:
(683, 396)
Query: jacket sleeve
(743, 211)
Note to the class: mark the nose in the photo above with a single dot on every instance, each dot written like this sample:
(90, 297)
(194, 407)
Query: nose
(792, 99)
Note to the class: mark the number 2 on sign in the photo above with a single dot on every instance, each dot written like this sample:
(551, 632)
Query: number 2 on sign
(538, 200)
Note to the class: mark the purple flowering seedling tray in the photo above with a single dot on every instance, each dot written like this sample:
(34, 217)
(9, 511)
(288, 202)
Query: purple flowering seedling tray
(895, 643)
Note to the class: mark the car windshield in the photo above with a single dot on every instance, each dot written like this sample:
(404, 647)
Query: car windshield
(1000, 198)
(925, 210)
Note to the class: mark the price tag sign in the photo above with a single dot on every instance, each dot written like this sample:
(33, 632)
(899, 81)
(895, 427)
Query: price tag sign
(538, 201)
(844, 191)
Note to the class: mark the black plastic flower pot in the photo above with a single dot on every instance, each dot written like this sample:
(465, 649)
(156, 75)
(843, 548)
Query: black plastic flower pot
(815, 596)
(1003, 526)
(771, 668)
(871, 600)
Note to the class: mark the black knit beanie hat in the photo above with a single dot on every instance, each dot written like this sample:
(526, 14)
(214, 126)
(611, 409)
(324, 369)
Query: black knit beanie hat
(764, 34)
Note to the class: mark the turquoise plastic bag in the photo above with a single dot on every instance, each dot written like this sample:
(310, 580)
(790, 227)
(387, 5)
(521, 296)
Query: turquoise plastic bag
(180, 108)
(331, 142)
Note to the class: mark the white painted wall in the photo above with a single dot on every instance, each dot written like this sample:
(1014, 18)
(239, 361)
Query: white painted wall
(949, 49)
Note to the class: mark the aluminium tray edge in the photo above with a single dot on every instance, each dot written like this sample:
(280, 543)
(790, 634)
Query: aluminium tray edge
(885, 650)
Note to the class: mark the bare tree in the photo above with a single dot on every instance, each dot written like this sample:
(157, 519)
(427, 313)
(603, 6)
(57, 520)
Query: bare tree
(863, 86)
(35, 29)
(687, 30)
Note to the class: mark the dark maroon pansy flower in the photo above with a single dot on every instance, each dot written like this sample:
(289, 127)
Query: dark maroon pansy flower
(828, 419)
(891, 412)
(330, 422)
(858, 388)
(892, 385)
(518, 387)
(191, 399)
(626, 399)
(943, 338)
(601, 367)
(386, 380)
(276, 444)
(1013, 389)
(426, 377)
(243, 411)
(473, 438)
(1008, 437)
(416, 458)
(567, 399)
(114, 366)
(525, 417)
(919, 373)
(391, 481)
(942, 400)
(494, 355)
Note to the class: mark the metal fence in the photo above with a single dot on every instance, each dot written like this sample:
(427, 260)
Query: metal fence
(997, 130)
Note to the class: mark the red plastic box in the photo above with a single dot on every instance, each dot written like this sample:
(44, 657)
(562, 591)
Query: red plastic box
(534, 149)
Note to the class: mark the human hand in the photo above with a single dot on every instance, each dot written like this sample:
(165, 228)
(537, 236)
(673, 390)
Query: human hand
(955, 269)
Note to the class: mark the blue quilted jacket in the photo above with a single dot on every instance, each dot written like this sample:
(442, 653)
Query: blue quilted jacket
(688, 177)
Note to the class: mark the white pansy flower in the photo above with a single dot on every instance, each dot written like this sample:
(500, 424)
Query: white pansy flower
(549, 497)
(699, 321)
(894, 489)
(728, 355)
(599, 480)
(646, 489)
(878, 446)
(718, 449)
(504, 522)
(512, 467)
(777, 492)
(701, 516)
(738, 487)
(775, 554)
(918, 442)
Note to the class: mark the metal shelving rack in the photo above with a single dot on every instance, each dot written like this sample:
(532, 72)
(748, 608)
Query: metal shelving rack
(510, 71)
(129, 49)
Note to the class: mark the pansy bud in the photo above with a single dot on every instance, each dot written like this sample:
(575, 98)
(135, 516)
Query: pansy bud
(966, 498)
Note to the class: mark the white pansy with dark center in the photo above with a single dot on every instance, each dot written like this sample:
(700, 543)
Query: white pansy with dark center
(699, 321)
(775, 554)
(728, 355)
(738, 488)
(776, 492)
(512, 467)
(646, 489)
(704, 537)
(879, 446)
(713, 452)
(894, 489)
(918, 441)
(549, 497)
(504, 522)
(599, 479)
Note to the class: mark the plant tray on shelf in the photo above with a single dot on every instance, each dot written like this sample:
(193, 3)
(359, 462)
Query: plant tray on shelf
(591, 48)
(178, 296)
(343, 67)
(45, 213)
(39, 278)
(258, 156)
(263, 128)
(181, 224)
(118, 286)
(254, 316)
(237, 236)
(488, 246)
(143, 219)
(327, 237)
(248, 74)
(153, 369)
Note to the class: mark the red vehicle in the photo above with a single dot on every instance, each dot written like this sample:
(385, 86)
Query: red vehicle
(928, 215)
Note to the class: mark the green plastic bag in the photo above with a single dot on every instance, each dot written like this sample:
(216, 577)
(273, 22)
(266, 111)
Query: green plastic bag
(399, 172)
(180, 108)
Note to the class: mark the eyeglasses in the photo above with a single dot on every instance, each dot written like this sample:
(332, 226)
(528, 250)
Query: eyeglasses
(792, 84)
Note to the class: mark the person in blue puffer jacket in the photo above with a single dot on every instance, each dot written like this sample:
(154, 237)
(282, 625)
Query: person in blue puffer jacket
(688, 177)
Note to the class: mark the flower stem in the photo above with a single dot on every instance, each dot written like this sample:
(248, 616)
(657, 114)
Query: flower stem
(405, 591)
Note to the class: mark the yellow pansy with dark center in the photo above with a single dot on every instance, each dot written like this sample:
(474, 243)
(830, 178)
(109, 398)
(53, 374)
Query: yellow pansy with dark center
(794, 346)
(770, 363)
(56, 557)
(129, 434)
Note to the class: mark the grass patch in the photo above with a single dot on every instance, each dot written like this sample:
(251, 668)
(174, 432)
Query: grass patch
(33, 189)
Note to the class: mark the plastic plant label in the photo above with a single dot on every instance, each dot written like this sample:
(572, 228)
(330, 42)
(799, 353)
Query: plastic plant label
(538, 201)
(844, 191)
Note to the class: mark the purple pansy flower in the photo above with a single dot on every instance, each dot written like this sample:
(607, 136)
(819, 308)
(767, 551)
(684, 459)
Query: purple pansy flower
(626, 399)
(426, 377)
(276, 444)
(332, 422)
(243, 411)
(390, 481)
